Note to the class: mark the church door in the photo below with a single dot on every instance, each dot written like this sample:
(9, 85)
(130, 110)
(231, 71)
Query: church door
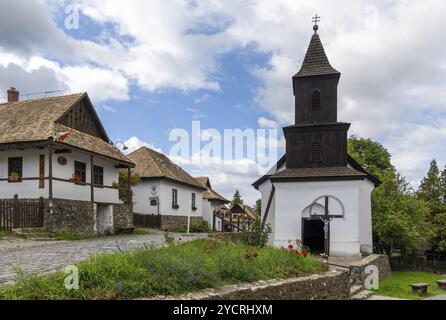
(313, 235)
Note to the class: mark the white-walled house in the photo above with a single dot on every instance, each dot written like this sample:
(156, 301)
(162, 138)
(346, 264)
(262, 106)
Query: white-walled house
(57, 149)
(317, 192)
(212, 202)
(167, 196)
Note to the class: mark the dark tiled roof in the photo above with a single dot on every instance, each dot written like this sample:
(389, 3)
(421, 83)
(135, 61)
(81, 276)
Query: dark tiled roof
(152, 164)
(316, 61)
(36, 120)
(332, 172)
(210, 194)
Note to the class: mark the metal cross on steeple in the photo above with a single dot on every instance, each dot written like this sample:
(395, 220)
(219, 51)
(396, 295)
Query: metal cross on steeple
(316, 20)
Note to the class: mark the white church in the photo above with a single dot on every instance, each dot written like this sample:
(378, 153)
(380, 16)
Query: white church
(317, 193)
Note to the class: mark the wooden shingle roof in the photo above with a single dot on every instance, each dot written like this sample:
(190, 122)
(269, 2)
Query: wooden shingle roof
(37, 120)
(316, 62)
(151, 164)
(210, 194)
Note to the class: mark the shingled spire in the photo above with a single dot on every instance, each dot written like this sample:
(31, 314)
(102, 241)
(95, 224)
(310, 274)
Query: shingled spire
(316, 62)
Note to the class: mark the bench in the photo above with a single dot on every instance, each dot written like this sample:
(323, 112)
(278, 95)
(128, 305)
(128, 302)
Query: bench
(419, 289)
(441, 284)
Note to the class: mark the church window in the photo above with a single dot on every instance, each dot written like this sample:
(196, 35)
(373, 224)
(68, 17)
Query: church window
(316, 152)
(316, 99)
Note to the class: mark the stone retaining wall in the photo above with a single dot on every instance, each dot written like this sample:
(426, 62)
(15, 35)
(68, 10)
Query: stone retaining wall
(332, 285)
(78, 217)
(174, 222)
(380, 261)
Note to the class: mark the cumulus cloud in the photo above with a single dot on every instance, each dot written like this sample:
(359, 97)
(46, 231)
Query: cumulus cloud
(134, 143)
(392, 62)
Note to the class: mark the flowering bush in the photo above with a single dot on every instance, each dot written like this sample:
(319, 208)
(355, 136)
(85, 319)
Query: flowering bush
(297, 247)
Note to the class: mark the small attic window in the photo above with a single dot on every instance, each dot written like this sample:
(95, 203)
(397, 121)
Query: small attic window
(316, 152)
(316, 99)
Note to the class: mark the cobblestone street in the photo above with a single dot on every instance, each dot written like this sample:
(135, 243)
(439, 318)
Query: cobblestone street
(42, 257)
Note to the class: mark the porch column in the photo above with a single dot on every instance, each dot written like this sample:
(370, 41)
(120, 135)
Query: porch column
(50, 172)
(92, 179)
(129, 188)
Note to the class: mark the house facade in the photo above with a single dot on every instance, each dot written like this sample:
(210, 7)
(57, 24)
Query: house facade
(317, 192)
(212, 202)
(57, 149)
(166, 192)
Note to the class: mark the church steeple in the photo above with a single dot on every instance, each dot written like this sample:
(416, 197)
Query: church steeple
(317, 139)
(316, 86)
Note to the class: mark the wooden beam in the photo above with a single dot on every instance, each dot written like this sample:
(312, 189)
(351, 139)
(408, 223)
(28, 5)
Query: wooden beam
(50, 172)
(270, 201)
(129, 187)
(92, 179)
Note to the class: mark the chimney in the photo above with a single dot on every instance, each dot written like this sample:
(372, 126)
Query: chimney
(13, 95)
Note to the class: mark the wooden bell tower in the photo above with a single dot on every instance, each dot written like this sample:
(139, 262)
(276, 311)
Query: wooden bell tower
(316, 139)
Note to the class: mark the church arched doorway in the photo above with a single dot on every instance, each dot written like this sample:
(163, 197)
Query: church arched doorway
(313, 235)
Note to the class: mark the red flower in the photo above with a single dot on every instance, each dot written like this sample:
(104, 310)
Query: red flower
(304, 253)
(291, 247)
(297, 252)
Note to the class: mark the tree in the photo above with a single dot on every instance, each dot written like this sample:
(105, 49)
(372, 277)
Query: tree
(123, 185)
(259, 207)
(430, 189)
(237, 198)
(399, 218)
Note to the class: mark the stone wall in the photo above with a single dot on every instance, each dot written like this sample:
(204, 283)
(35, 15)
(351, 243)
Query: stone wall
(78, 217)
(174, 222)
(380, 261)
(71, 217)
(122, 217)
(332, 285)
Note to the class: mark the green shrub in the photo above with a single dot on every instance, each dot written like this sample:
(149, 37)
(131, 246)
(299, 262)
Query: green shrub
(171, 270)
(197, 226)
(257, 234)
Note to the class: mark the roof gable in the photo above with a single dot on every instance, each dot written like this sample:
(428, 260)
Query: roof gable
(82, 116)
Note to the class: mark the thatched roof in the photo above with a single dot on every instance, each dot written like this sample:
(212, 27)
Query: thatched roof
(210, 194)
(151, 164)
(37, 120)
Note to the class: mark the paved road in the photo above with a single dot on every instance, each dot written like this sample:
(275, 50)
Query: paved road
(42, 257)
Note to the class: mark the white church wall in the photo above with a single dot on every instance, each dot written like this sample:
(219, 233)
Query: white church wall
(365, 217)
(293, 197)
(265, 191)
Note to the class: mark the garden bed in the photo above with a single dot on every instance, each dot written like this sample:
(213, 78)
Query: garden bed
(172, 270)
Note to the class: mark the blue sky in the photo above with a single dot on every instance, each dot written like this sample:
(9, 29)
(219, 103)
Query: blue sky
(158, 65)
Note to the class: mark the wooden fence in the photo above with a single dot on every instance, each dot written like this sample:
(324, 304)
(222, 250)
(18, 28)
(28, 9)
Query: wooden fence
(147, 220)
(16, 213)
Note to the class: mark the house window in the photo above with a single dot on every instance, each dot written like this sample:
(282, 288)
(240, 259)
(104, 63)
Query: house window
(98, 176)
(175, 199)
(194, 206)
(15, 169)
(80, 172)
(153, 203)
(316, 152)
(316, 99)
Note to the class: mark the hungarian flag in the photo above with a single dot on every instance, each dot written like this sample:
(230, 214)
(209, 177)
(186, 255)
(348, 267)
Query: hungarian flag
(61, 136)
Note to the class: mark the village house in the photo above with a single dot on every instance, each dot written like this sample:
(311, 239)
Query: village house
(234, 217)
(212, 202)
(167, 196)
(317, 192)
(56, 150)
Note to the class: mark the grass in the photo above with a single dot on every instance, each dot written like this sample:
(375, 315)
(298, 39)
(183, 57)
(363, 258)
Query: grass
(5, 234)
(77, 237)
(398, 285)
(171, 270)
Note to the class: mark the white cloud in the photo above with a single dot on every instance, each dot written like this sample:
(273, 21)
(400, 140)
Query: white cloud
(267, 123)
(134, 143)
